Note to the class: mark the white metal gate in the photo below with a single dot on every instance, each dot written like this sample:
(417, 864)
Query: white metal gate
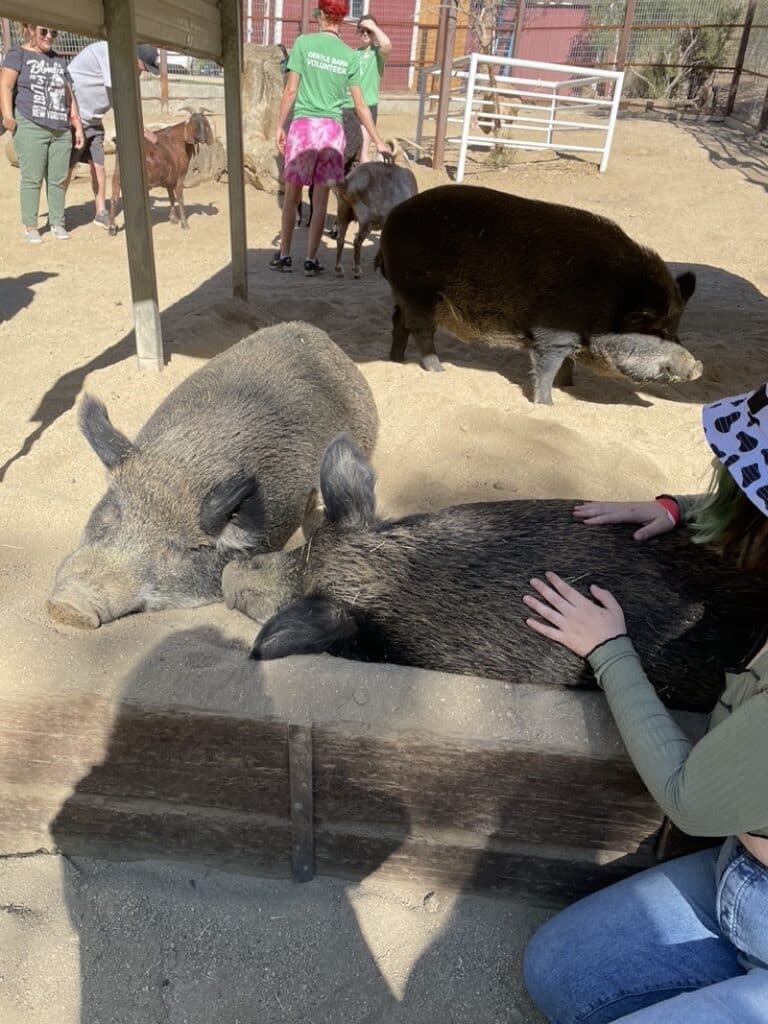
(526, 104)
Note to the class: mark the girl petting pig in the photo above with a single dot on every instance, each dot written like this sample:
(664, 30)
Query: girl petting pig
(320, 70)
(687, 940)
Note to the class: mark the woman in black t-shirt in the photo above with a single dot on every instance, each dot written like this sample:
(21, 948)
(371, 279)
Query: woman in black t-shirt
(37, 104)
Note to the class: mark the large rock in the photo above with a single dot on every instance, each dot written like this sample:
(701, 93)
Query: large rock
(262, 88)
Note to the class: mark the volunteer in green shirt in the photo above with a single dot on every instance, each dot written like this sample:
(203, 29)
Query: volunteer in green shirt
(321, 68)
(686, 941)
(372, 53)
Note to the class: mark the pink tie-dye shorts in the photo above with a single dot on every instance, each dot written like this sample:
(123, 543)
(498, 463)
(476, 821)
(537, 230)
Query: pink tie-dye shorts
(314, 152)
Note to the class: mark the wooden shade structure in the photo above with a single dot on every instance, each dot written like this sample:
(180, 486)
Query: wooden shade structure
(206, 28)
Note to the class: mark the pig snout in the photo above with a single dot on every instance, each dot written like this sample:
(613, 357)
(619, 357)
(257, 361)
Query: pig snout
(643, 357)
(90, 591)
(260, 586)
(73, 606)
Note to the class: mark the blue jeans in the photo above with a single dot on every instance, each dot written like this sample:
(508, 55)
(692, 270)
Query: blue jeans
(685, 942)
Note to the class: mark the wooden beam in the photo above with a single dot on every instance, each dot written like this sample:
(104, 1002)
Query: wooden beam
(626, 30)
(231, 41)
(557, 815)
(120, 25)
(742, 52)
(5, 25)
(519, 19)
(449, 12)
(163, 81)
(306, 15)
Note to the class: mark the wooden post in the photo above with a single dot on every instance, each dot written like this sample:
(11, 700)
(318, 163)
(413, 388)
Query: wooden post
(119, 21)
(163, 81)
(6, 30)
(446, 66)
(306, 15)
(231, 49)
(521, 4)
(749, 17)
(623, 47)
(763, 122)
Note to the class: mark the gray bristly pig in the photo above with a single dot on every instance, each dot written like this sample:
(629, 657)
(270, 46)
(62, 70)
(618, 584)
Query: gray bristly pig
(222, 469)
(443, 590)
(563, 282)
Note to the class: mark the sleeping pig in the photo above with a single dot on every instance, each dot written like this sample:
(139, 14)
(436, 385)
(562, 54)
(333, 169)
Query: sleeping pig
(564, 282)
(222, 469)
(443, 590)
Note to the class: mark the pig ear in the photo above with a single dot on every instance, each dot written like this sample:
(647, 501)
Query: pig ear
(308, 626)
(110, 445)
(347, 483)
(233, 512)
(687, 284)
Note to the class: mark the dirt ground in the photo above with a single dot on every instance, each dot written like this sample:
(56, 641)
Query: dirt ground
(694, 191)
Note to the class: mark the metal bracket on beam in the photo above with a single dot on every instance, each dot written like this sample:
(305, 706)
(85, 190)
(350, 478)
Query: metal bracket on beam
(302, 807)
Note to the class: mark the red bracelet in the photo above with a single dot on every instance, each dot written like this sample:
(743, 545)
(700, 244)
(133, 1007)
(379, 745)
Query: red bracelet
(670, 506)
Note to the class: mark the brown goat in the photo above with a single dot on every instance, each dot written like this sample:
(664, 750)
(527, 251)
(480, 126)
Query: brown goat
(167, 162)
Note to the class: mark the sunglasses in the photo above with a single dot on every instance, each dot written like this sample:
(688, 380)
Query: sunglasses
(52, 32)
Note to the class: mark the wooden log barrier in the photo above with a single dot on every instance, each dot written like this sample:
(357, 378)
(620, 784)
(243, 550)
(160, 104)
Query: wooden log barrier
(552, 817)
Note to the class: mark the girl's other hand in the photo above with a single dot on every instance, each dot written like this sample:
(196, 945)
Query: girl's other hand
(570, 619)
(280, 140)
(654, 517)
(9, 123)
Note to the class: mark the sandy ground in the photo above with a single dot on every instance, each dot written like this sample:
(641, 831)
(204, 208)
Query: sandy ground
(695, 192)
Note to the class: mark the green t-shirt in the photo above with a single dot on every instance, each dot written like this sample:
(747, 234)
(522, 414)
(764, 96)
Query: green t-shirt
(327, 67)
(371, 70)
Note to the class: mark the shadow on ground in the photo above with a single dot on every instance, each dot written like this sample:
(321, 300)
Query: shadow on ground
(16, 293)
(726, 311)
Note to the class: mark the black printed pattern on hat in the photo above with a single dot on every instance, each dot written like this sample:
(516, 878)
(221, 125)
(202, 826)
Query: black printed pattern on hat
(746, 441)
(724, 423)
(757, 401)
(750, 474)
(762, 494)
(730, 461)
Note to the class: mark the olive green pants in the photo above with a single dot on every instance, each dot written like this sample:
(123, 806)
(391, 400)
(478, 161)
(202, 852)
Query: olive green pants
(43, 156)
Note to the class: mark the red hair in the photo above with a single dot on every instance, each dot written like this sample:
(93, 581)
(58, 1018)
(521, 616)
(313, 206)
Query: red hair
(336, 10)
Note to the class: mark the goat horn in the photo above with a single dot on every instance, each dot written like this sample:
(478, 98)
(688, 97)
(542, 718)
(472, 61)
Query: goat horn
(189, 110)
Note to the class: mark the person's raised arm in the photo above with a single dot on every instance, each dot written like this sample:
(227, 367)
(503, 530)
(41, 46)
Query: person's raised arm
(380, 37)
(7, 82)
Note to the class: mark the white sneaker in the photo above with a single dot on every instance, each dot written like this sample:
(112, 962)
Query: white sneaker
(32, 235)
(59, 232)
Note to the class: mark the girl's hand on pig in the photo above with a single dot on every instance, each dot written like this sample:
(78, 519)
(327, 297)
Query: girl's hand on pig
(570, 619)
(654, 517)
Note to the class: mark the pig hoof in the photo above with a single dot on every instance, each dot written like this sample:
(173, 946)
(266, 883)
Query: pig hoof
(357, 273)
(432, 363)
(339, 271)
(112, 231)
(60, 611)
(184, 226)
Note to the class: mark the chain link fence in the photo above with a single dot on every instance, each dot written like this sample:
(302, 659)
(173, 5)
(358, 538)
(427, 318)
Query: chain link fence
(69, 44)
(678, 52)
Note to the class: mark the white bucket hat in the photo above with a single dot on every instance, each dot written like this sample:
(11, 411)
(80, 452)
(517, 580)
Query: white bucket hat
(737, 431)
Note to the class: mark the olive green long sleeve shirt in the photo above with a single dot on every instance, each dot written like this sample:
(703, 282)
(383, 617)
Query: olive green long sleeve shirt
(716, 787)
